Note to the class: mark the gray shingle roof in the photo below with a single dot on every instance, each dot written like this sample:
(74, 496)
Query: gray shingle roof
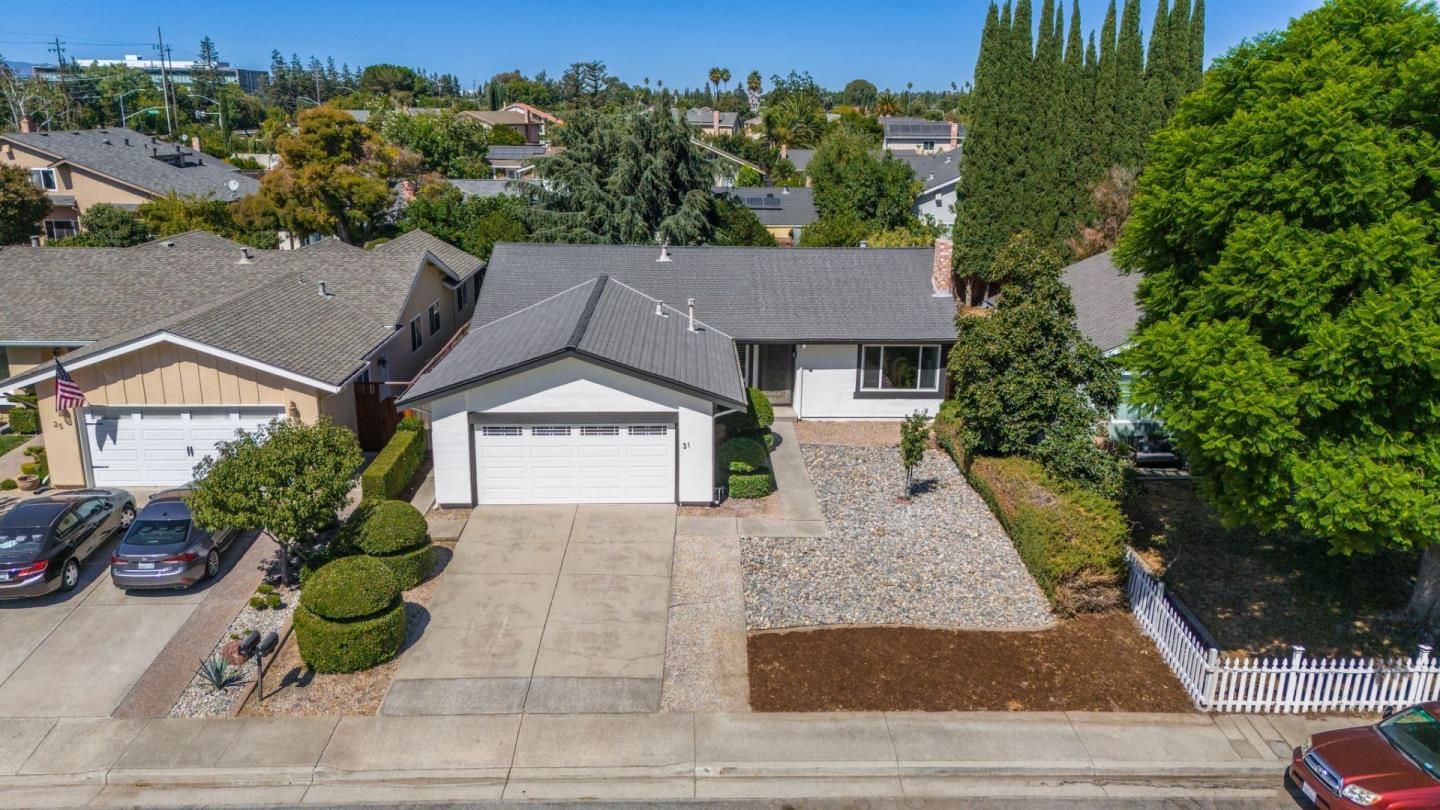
(1105, 307)
(268, 308)
(507, 152)
(799, 158)
(935, 171)
(777, 205)
(599, 319)
(482, 188)
(704, 117)
(754, 294)
(130, 157)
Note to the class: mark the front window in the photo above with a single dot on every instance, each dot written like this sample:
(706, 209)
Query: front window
(460, 296)
(900, 368)
(43, 179)
(1416, 734)
(415, 337)
(60, 228)
(434, 318)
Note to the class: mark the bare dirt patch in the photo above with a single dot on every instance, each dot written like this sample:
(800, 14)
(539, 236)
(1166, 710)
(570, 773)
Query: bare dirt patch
(293, 690)
(1099, 662)
(855, 434)
(1258, 594)
(768, 506)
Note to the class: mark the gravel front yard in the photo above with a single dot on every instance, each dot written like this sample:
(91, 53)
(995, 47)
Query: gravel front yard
(941, 561)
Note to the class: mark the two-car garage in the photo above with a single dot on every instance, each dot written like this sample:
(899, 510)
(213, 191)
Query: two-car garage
(160, 446)
(520, 463)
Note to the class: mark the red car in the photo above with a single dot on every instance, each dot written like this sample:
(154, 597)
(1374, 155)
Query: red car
(1388, 766)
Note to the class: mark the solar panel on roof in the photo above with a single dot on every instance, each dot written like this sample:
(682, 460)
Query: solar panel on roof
(769, 202)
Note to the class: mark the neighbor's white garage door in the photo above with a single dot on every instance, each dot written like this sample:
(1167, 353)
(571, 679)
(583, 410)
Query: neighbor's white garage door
(159, 447)
(575, 463)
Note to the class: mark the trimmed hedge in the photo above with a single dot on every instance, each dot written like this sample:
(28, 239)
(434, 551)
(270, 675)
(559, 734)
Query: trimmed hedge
(757, 418)
(392, 526)
(395, 465)
(753, 485)
(395, 533)
(25, 420)
(949, 431)
(350, 646)
(1071, 540)
(743, 455)
(411, 423)
(350, 588)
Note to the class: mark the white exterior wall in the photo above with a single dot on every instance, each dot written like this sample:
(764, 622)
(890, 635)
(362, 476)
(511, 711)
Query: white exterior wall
(825, 387)
(944, 213)
(570, 385)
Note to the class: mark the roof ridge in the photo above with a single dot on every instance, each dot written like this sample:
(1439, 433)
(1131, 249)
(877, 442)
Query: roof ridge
(582, 324)
(675, 310)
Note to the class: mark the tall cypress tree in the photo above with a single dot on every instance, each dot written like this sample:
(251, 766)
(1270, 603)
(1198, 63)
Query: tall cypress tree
(978, 228)
(1128, 146)
(1197, 46)
(1107, 82)
(1159, 75)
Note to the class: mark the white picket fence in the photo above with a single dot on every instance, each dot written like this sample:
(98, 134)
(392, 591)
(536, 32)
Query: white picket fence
(1274, 685)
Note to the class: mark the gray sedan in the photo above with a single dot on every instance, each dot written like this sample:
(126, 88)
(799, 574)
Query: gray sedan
(165, 549)
(44, 540)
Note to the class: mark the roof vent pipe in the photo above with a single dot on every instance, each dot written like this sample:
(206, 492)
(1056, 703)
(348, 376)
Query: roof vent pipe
(325, 291)
(664, 253)
(864, 243)
(660, 309)
(690, 302)
(244, 255)
(35, 241)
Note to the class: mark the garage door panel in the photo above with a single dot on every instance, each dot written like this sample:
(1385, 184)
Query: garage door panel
(139, 446)
(554, 463)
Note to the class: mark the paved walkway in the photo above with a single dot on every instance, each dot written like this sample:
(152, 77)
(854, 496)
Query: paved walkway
(546, 609)
(104, 762)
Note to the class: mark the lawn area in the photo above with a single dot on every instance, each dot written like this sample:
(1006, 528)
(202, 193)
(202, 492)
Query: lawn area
(10, 441)
(1258, 594)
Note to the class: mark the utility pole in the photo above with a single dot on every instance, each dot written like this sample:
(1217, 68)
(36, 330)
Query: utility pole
(164, 80)
(59, 51)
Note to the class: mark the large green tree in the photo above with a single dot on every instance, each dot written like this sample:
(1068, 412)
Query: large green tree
(624, 180)
(22, 206)
(449, 144)
(249, 220)
(1027, 382)
(851, 180)
(106, 225)
(334, 177)
(1286, 227)
(473, 224)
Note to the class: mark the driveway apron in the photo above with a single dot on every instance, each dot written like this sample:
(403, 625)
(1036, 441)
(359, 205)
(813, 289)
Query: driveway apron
(547, 609)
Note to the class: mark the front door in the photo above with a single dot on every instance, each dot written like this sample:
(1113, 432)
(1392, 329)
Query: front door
(776, 374)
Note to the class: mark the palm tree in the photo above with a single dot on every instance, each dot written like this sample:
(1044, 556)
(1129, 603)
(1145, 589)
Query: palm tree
(752, 82)
(715, 80)
(725, 77)
(799, 120)
(886, 104)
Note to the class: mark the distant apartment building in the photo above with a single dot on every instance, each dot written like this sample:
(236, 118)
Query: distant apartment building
(180, 72)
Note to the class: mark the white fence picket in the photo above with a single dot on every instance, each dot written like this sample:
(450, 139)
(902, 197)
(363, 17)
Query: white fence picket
(1291, 685)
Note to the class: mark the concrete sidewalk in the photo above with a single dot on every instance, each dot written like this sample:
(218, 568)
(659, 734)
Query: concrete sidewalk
(110, 762)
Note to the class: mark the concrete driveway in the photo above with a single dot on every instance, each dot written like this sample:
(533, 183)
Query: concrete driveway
(79, 654)
(546, 609)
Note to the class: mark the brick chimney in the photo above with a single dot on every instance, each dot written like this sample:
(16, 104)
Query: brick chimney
(954, 134)
(25, 125)
(942, 270)
(784, 151)
(407, 190)
(195, 142)
(715, 121)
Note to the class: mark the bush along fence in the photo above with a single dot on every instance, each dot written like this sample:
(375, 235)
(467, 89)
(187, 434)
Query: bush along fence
(1295, 685)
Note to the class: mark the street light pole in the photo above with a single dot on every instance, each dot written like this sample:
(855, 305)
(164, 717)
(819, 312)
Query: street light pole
(122, 103)
(218, 106)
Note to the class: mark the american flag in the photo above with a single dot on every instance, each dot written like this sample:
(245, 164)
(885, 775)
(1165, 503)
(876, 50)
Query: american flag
(67, 394)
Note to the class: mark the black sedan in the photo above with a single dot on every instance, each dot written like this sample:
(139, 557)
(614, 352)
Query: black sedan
(43, 541)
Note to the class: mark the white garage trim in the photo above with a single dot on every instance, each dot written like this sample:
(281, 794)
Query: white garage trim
(593, 458)
(151, 445)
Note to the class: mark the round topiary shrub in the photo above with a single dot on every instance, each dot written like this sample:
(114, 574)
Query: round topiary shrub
(743, 455)
(8, 483)
(395, 533)
(350, 616)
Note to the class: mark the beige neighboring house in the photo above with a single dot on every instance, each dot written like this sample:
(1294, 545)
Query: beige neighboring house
(80, 168)
(713, 122)
(528, 121)
(180, 342)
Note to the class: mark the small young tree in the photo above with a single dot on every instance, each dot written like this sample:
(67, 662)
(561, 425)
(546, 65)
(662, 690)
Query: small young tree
(106, 225)
(287, 478)
(25, 206)
(914, 438)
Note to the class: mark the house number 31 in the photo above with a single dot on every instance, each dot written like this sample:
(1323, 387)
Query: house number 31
(684, 445)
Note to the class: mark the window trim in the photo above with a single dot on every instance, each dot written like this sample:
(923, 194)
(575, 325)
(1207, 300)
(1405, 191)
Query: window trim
(417, 338)
(899, 393)
(51, 233)
(461, 296)
(435, 322)
(45, 171)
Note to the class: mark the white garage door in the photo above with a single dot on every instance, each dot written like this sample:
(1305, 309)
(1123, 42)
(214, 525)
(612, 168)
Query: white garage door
(575, 463)
(159, 447)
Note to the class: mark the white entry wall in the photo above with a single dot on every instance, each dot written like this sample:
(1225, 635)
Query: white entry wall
(826, 375)
(158, 447)
(574, 392)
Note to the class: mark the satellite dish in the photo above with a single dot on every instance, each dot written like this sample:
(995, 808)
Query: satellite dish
(233, 185)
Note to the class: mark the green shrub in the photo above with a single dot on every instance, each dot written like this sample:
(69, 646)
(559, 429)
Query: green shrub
(265, 589)
(350, 588)
(8, 483)
(390, 527)
(758, 417)
(273, 601)
(1072, 540)
(349, 646)
(390, 473)
(30, 468)
(761, 412)
(258, 602)
(411, 424)
(395, 533)
(752, 485)
(742, 455)
(25, 420)
(769, 440)
(950, 431)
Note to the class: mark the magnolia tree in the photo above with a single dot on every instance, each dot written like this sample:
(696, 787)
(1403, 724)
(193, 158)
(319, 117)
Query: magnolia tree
(287, 478)
(1286, 229)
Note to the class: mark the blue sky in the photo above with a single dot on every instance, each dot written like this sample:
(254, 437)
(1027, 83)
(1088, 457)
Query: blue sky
(675, 41)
